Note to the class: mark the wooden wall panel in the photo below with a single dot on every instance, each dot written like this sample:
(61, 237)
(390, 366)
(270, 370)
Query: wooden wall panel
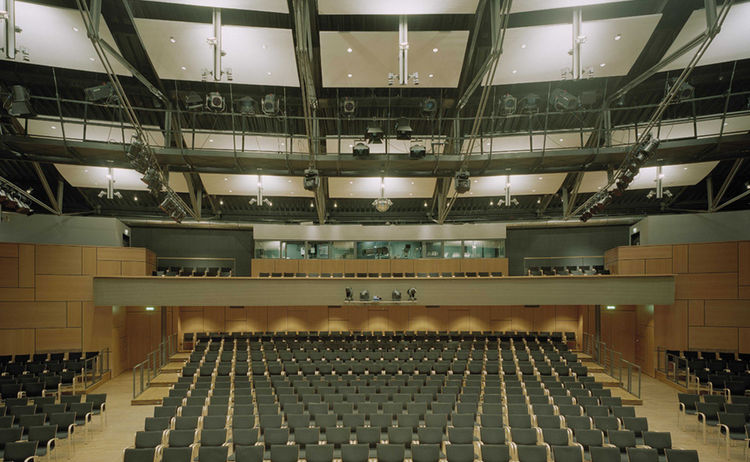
(260, 265)
(398, 318)
(479, 318)
(8, 272)
(378, 266)
(338, 319)
(277, 318)
(680, 258)
(17, 341)
(377, 320)
(402, 266)
(743, 263)
(8, 250)
(631, 267)
(744, 292)
(63, 339)
(286, 266)
(134, 268)
(121, 253)
(257, 319)
(89, 261)
(659, 266)
(714, 338)
(54, 288)
(108, 268)
(640, 252)
(670, 325)
(59, 259)
(22, 315)
(696, 313)
(744, 339)
(714, 257)
(297, 319)
(706, 286)
(192, 319)
(74, 314)
(97, 325)
(355, 266)
(26, 265)
(213, 319)
(727, 313)
(17, 294)
(522, 318)
(332, 266)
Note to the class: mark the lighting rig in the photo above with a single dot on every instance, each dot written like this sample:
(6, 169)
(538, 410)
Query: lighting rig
(507, 200)
(259, 199)
(110, 192)
(382, 203)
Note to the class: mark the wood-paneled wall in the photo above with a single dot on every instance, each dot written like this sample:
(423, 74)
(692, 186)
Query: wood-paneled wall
(425, 265)
(712, 293)
(46, 297)
(380, 318)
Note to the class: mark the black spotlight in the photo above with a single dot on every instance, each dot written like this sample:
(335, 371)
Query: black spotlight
(349, 294)
(348, 107)
(396, 295)
(364, 295)
(586, 216)
(429, 107)
(100, 92)
(509, 104)
(530, 102)
(20, 102)
(686, 91)
(417, 151)
(193, 101)
(312, 179)
(270, 104)
(589, 98)
(215, 102)
(561, 100)
(403, 129)
(374, 134)
(463, 182)
(246, 105)
(412, 293)
(360, 149)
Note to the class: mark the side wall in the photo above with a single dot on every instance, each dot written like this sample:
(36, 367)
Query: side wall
(46, 299)
(694, 227)
(64, 230)
(423, 265)
(712, 293)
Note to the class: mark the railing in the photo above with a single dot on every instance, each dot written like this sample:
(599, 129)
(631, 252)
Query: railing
(94, 368)
(146, 370)
(628, 374)
(674, 367)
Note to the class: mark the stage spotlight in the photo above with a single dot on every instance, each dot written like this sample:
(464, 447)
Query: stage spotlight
(152, 180)
(403, 129)
(586, 216)
(270, 104)
(138, 156)
(215, 102)
(429, 107)
(417, 151)
(364, 295)
(348, 107)
(193, 101)
(19, 103)
(374, 134)
(246, 105)
(382, 204)
(312, 179)
(462, 182)
(509, 104)
(530, 102)
(100, 92)
(686, 91)
(412, 293)
(349, 294)
(361, 150)
(396, 295)
(561, 100)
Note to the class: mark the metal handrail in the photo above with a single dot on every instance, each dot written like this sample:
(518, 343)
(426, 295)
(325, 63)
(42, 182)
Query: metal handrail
(146, 370)
(94, 368)
(628, 374)
(675, 367)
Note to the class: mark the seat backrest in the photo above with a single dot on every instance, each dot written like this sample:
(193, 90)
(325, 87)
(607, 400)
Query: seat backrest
(248, 454)
(148, 439)
(319, 453)
(19, 451)
(390, 452)
(605, 454)
(658, 440)
(590, 437)
(139, 455)
(213, 453)
(682, 455)
(181, 438)
(460, 435)
(622, 438)
(459, 452)
(425, 452)
(643, 455)
(354, 453)
(176, 454)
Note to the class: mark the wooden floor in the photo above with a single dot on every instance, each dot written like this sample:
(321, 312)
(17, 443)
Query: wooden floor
(659, 406)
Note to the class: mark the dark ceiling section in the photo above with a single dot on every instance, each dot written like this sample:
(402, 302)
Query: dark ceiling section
(59, 93)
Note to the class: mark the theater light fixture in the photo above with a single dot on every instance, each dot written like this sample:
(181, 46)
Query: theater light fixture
(507, 200)
(348, 107)
(19, 102)
(138, 155)
(509, 104)
(104, 92)
(382, 203)
(11, 201)
(172, 206)
(312, 179)
(462, 182)
(561, 100)
(360, 150)
(429, 107)
(396, 295)
(417, 151)
(215, 102)
(110, 192)
(193, 101)
(412, 293)
(270, 104)
(531, 102)
(403, 129)
(349, 295)
(259, 199)
(364, 295)
(246, 105)
(374, 134)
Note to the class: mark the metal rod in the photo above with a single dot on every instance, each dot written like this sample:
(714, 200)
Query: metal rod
(727, 182)
(10, 29)
(577, 40)
(217, 43)
(45, 185)
(732, 200)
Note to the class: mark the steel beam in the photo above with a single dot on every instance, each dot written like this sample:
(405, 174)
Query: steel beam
(727, 182)
(47, 189)
(10, 29)
(732, 200)
(6, 182)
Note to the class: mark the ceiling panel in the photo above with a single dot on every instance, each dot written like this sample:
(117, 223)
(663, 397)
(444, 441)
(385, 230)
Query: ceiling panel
(540, 53)
(674, 175)
(56, 37)
(256, 55)
(557, 140)
(397, 7)
(436, 55)
(534, 5)
(520, 185)
(730, 44)
(369, 188)
(105, 131)
(85, 176)
(247, 185)
(273, 6)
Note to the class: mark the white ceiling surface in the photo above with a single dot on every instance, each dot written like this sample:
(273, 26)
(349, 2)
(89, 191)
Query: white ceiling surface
(395, 146)
(49, 36)
(84, 176)
(520, 185)
(256, 55)
(247, 185)
(730, 44)
(674, 176)
(397, 7)
(375, 54)
(539, 53)
(558, 140)
(108, 132)
(273, 6)
(520, 6)
(369, 188)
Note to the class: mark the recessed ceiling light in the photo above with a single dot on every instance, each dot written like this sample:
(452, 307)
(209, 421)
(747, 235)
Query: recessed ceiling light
(618, 37)
(602, 64)
(91, 59)
(412, 182)
(540, 178)
(226, 179)
(230, 190)
(430, 75)
(172, 39)
(53, 127)
(221, 202)
(351, 194)
(434, 50)
(514, 71)
(348, 50)
(349, 75)
(135, 198)
(561, 140)
(523, 45)
(411, 194)
(471, 193)
(75, 29)
(291, 192)
(533, 190)
(210, 140)
(351, 182)
(726, 123)
(684, 168)
(476, 181)
(491, 203)
(183, 68)
(425, 203)
(351, 145)
(288, 181)
(85, 170)
(488, 143)
(268, 73)
(264, 46)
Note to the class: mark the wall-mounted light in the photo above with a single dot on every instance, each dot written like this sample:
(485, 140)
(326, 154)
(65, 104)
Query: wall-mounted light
(150, 308)
(611, 307)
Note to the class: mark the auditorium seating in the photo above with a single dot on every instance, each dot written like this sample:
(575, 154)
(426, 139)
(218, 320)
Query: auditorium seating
(720, 372)
(184, 271)
(43, 374)
(583, 270)
(457, 274)
(359, 396)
